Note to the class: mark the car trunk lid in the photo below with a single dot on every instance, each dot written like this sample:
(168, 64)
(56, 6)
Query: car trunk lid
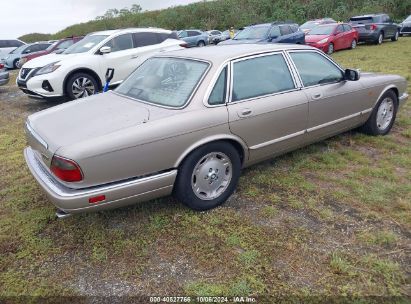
(82, 120)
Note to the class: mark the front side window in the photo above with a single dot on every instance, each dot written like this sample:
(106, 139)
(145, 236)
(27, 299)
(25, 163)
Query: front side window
(347, 28)
(322, 30)
(315, 69)
(164, 81)
(193, 33)
(260, 76)
(120, 43)
(85, 45)
(217, 95)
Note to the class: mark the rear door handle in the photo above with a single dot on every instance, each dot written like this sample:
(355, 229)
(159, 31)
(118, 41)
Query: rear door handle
(245, 112)
(134, 56)
(317, 96)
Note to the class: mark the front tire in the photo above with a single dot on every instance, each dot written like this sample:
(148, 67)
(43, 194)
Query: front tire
(16, 64)
(81, 85)
(208, 176)
(330, 49)
(383, 115)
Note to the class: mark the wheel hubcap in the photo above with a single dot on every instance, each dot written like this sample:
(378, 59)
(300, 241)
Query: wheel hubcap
(380, 39)
(353, 44)
(211, 176)
(330, 49)
(385, 113)
(82, 87)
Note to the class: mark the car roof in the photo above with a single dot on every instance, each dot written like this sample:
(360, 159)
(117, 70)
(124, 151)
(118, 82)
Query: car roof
(369, 15)
(219, 54)
(132, 30)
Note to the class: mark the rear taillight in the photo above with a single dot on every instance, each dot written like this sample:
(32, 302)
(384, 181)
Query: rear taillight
(65, 169)
(372, 27)
(185, 45)
(1, 66)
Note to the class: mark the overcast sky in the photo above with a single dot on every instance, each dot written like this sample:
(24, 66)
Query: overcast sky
(19, 17)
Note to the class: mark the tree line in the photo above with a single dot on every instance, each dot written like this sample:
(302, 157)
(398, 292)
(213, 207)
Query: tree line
(223, 14)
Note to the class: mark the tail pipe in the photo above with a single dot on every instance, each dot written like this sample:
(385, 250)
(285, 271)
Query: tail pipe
(60, 214)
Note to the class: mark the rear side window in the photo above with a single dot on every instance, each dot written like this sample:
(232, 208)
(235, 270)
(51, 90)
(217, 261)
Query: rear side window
(145, 39)
(285, 30)
(164, 36)
(42, 46)
(362, 20)
(261, 76)
(315, 69)
(193, 33)
(3, 43)
(218, 93)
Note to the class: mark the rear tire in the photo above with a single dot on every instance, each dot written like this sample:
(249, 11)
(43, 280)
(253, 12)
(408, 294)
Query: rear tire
(81, 85)
(383, 115)
(395, 37)
(208, 176)
(201, 44)
(353, 44)
(380, 38)
(15, 64)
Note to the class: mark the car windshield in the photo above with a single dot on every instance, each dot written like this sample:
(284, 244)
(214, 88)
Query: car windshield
(19, 49)
(309, 25)
(86, 44)
(322, 30)
(52, 46)
(408, 18)
(253, 32)
(164, 81)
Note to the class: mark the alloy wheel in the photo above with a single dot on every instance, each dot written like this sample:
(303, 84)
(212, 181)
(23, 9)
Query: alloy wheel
(82, 87)
(354, 44)
(385, 113)
(211, 176)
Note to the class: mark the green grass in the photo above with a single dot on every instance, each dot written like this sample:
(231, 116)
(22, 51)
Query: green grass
(331, 219)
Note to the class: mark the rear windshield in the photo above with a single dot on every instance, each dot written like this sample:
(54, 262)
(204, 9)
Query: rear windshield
(164, 81)
(322, 30)
(309, 25)
(356, 20)
(253, 32)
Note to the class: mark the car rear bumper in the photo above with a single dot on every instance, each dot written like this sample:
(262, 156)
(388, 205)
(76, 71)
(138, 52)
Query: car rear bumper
(117, 194)
(4, 78)
(366, 37)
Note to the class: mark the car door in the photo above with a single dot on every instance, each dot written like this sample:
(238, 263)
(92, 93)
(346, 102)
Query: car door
(122, 57)
(334, 103)
(266, 108)
(193, 37)
(339, 38)
(349, 34)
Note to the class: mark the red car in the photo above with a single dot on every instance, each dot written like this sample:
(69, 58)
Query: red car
(332, 37)
(57, 47)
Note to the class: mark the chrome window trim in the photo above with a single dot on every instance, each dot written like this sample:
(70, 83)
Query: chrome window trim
(188, 101)
(321, 54)
(212, 84)
(281, 53)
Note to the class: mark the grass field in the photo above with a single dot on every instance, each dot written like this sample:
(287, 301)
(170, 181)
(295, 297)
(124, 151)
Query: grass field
(332, 219)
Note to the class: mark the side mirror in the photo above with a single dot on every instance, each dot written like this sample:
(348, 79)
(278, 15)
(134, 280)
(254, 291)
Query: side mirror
(351, 75)
(105, 50)
(59, 51)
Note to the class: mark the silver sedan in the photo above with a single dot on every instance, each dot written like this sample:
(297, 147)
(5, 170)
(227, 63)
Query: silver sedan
(187, 122)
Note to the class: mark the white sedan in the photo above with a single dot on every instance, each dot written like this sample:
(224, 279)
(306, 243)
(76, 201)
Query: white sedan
(79, 71)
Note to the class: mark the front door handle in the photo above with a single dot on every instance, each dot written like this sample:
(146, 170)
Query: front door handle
(317, 96)
(245, 112)
(134, 56)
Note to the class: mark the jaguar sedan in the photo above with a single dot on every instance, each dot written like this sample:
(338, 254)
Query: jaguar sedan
(186, 122)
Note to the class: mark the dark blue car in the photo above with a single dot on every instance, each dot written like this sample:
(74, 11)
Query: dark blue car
(277, 32)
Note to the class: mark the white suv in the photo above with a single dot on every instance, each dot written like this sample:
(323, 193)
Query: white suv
(80, 70)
